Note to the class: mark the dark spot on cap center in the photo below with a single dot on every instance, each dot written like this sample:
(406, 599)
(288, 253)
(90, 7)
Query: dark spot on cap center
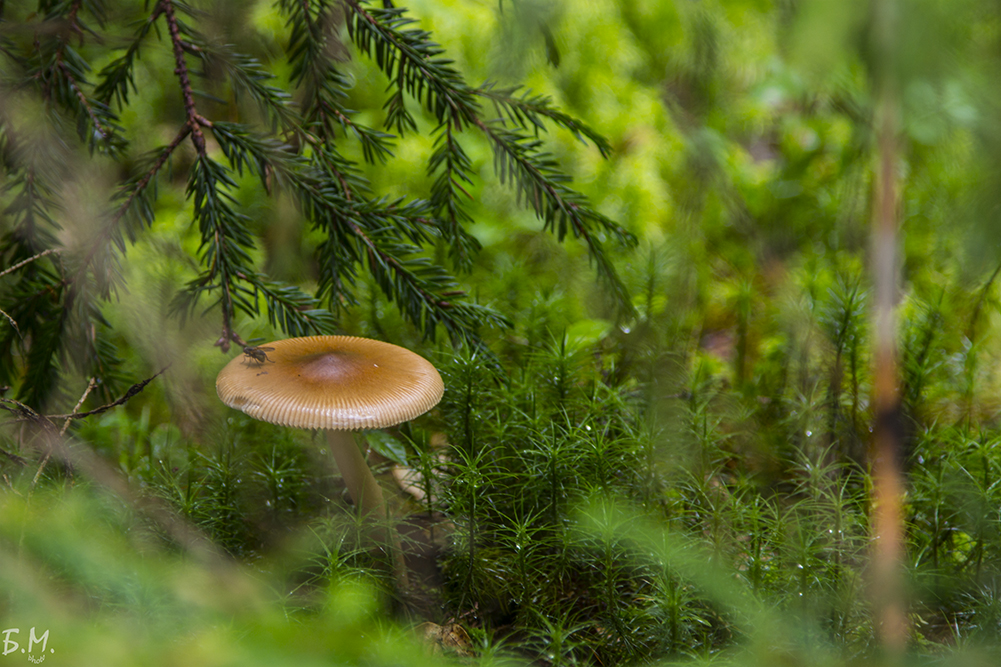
(332, 368)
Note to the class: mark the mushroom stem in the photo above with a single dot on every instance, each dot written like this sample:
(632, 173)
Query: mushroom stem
(367, 495)
(364, 490)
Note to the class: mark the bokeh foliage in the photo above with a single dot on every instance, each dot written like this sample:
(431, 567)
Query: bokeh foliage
(666, 465)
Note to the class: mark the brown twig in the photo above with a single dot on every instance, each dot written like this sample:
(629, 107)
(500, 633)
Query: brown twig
(195, 121)
(86, 392)
(17, 266)
(22, 412)
(21, 461)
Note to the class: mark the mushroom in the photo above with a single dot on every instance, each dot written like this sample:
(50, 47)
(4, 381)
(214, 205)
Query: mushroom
(336, 383)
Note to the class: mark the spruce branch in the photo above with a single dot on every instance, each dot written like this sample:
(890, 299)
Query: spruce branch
(132, 194)
(248, 77)
(117, 76)
(362, 230)
(411, 61)
(62, 78)
(427, 295)
(519, 160)
(298, 151)
(413, 64)
(375, 145)
(447, 194)
(135, 211)
(330, 162)
(225, 238)
(226, 242)
(528, 109)
(105, 133)
(325, 86)
(292, 310)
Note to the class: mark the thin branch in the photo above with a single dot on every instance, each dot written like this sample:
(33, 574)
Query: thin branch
(391, 261)
(28, 261)
(72, 18)
(13, 324)
(453, 96)
(132, 391)
(23, 413)
(144, 181)
(75, 27)
(525, 108)
(971, 329)
(195, 122)
(86, 392)
(83, 101)
(543, 187)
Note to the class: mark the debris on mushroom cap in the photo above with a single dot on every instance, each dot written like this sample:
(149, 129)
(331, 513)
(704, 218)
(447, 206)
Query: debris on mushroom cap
(331, 382)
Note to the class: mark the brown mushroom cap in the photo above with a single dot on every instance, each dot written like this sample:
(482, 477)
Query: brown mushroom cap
(331, 382)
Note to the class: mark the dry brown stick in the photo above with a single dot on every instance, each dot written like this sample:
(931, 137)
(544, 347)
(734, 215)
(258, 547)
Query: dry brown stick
(86, 461)
(22, 413)
(45, 459)
(86, 392)
(132, 391)
(886, 581)
(97, 469)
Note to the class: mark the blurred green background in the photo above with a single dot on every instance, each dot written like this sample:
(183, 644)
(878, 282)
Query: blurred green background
(682, 478)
